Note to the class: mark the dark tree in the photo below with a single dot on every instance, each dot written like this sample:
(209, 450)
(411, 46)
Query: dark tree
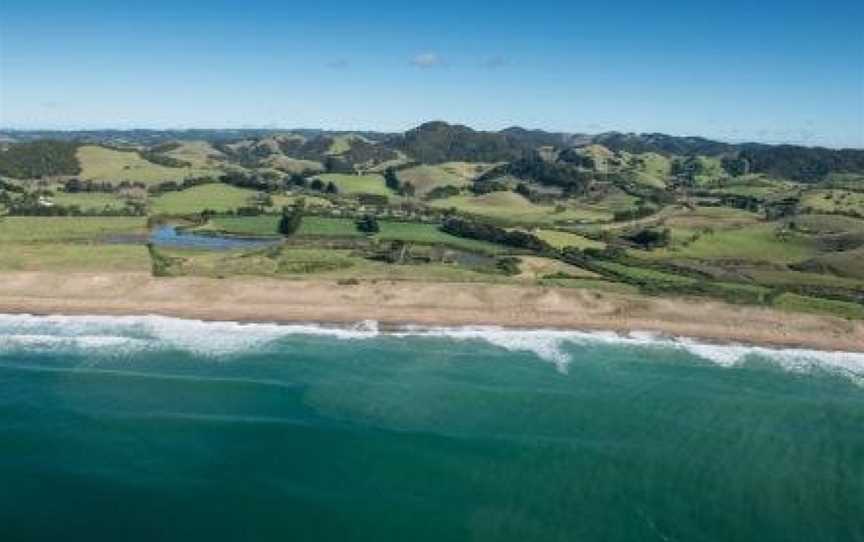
(291, 219)
(368, 224)
(391, 179)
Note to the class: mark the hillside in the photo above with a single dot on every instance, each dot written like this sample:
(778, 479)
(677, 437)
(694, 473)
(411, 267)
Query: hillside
(438, 142)
(767, 225)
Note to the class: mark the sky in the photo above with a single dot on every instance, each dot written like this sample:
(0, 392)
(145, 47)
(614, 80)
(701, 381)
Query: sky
(767, 71)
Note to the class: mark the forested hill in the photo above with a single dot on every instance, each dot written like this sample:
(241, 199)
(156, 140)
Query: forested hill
(29, 154)
(438, 142)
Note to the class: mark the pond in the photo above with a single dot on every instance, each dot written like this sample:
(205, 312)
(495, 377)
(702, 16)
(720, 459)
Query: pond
(169, 236)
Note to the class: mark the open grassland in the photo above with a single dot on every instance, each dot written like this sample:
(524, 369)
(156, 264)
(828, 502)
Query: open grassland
(89, 201)
(200, 154)
(243, 225)
(71, 257)
(358, 184)
(293, 165)
(800, 303)
(328, 227)
(849, 263)
(827, 224)
(711, 170)
(313, 226)
(289, 262)
(833, 201)
(535, 267)
(772, 276)
(311, 202)
(755, 186)
(431, 234)
(109, 165)
(643, 274)
(426, 178)
(685, 223)
(215, 196)
(511, 208)
(563, 239)
(340, 144)
(716, 218)
(614, 201)
(756, 243)
(37, 228)
(652, 169)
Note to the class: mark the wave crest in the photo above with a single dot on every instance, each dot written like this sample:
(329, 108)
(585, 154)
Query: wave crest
(131, 333)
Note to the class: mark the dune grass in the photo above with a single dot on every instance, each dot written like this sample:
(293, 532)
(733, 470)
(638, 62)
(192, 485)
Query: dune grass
(800, 303)
(38, 228)
(71, 257)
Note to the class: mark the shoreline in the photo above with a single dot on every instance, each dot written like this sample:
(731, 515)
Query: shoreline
(408, 328)
(395, 305)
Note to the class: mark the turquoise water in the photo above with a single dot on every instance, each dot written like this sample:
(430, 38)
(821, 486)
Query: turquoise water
(170, 236)
(158, 429)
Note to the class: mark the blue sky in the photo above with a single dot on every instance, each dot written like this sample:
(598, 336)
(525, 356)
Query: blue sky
(767, 71)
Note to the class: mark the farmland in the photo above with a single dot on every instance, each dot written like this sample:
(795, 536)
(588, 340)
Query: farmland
(590, 216)
(109, 165)
(357, 184)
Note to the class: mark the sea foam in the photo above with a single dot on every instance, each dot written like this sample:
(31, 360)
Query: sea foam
(127, 334)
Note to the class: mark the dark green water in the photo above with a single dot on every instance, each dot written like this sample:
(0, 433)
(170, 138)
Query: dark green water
(157, 429)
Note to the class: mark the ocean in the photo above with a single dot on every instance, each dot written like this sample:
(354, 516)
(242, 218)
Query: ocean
(152, 428)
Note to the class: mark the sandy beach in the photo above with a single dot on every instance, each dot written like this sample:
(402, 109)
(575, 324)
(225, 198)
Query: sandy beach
(431, 304)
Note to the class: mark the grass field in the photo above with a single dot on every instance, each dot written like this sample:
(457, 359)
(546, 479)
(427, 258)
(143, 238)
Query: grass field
(268, 225)
(800, 303)
(845, 264)
(216, 196)
(432, 235)
(645, 274)
(89, 201)
(329, 227)
(563, 239)
(653, 169)
(756, 243)
(826, 224)
(200, 154)
(833, 201)
(511, 208)
(534, 267)
(344, 227)
(37, 228)
(292, 262)
(426, 178)
(101, 164)
(293, 165)
(72, 257)
(358, 184)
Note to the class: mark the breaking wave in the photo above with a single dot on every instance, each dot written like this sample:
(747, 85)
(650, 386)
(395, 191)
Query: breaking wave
(127, 334)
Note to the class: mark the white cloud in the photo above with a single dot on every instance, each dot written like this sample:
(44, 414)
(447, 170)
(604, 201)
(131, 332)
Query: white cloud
(427, 60)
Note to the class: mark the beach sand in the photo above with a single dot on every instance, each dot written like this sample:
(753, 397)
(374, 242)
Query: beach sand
(427, 304)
